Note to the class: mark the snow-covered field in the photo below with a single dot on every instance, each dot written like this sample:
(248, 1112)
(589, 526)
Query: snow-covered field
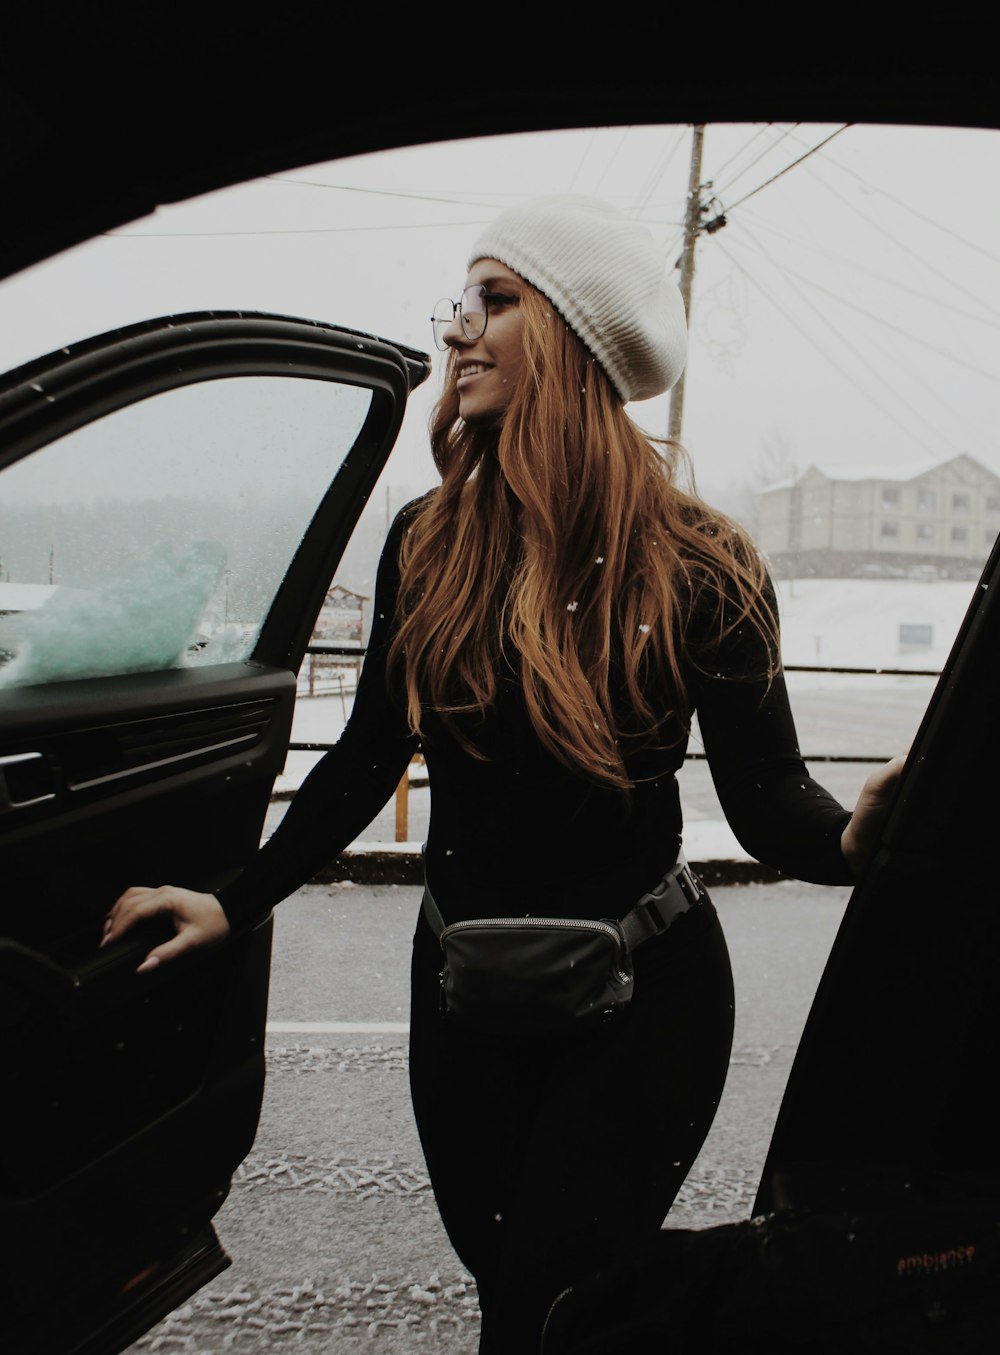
(856, 622)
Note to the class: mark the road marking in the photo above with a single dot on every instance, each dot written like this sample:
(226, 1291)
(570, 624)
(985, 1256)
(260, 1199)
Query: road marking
(338, 1028)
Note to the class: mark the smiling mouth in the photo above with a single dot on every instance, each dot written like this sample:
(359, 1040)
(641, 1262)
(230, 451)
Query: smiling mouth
(470, 369)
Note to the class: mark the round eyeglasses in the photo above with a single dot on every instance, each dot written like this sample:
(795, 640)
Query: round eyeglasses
(470, 308)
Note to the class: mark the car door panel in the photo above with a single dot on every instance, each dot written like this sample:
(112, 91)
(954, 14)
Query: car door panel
(890, 1099)
(128, 758)
(127, 786)
(136, 1104)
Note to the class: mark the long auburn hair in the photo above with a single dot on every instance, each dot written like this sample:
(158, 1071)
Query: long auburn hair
(560, 543)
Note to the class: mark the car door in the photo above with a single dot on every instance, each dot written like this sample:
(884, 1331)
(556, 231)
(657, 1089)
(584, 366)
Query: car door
(174, 499)
(891, 1098)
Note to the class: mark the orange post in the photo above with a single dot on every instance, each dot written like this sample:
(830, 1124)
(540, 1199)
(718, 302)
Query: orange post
(403, 808)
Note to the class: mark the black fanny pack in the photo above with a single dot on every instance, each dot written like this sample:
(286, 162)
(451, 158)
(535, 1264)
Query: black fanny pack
(552, 975)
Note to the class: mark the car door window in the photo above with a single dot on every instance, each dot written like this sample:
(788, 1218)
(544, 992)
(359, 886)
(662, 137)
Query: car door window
(156, 537)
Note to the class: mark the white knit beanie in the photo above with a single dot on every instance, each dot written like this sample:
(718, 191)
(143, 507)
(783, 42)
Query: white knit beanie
(606, 277)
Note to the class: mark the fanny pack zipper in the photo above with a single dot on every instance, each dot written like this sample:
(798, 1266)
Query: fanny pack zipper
(548, 1316)
(572, 924)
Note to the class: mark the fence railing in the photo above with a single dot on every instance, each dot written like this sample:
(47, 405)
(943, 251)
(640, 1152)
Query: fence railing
(403, 789)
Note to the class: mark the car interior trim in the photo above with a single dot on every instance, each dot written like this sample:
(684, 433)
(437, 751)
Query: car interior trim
(162, 762)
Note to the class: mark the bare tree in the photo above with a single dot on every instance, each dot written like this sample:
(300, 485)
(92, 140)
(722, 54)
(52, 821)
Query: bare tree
(775, 461)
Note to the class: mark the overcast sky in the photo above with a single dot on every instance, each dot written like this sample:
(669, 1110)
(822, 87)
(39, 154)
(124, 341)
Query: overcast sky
(849, 312)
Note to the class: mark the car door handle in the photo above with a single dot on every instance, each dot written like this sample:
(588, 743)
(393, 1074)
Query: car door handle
(106, 975)
(25, 780)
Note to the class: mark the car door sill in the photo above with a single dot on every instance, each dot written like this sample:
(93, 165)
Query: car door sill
(154, 1300)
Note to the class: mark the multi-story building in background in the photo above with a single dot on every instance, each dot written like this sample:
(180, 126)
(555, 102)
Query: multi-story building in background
(845, 524)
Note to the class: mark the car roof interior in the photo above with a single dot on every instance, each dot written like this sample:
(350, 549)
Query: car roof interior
(109, 112)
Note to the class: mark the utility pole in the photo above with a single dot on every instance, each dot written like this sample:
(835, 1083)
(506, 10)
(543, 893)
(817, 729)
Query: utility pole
(692, 227)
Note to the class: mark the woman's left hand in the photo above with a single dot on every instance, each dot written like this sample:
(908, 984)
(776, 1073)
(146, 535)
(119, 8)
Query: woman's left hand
(861, 834)
(198, 920)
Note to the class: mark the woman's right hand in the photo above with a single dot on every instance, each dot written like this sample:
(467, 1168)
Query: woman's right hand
(861, 835)
(198, 920)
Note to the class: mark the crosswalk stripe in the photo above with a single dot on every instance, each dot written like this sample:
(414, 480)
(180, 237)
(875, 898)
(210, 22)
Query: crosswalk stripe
(338, 1027)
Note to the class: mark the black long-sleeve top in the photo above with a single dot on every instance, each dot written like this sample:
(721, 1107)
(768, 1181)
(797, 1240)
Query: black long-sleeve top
(518, 832)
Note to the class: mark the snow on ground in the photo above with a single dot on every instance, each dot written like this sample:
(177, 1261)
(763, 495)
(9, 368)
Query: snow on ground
(318, 719)
(24, 597)
(855, 623)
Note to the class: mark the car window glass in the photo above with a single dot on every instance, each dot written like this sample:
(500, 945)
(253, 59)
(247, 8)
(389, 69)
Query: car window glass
(157, 536)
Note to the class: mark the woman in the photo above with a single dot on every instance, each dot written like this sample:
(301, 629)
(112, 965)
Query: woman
(546, 624)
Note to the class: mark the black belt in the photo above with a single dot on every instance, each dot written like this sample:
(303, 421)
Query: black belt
(677, 893)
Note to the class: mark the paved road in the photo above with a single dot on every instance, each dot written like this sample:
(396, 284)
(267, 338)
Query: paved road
(334, 1237)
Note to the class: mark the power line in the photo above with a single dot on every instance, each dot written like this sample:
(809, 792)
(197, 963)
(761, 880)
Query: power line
(946, 230)
(295, 230)
(896, 329)
(932, 389)
(848, 376)
(774, 177)
(655, 175)
(757, 158)
(580, 163)
(709, 227)
(846, 261)
(894, 240)
(608, 167)
(907, 207)
(899, 244)
(325, 230)
(746, 146)
(373, 192)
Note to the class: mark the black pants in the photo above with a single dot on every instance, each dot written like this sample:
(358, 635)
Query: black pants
(548, 1158)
